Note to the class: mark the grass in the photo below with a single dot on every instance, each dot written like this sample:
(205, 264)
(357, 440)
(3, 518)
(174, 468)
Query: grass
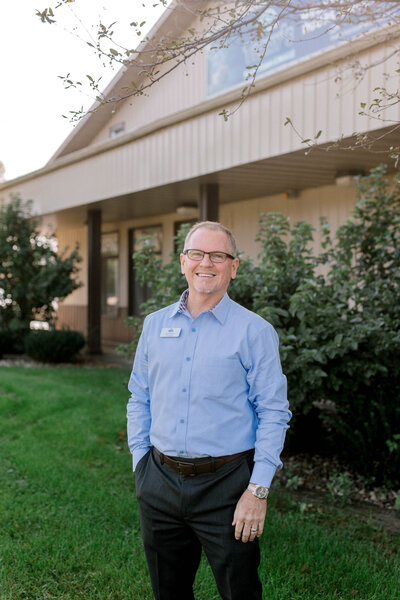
(69, 526)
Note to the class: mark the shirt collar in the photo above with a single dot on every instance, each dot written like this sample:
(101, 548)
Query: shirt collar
(219, 311)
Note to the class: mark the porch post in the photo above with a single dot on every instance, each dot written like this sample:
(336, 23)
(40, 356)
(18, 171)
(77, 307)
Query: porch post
(209, 200)
(94, 282)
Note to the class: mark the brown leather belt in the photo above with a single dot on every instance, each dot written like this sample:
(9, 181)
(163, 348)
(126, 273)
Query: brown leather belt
(198, 466)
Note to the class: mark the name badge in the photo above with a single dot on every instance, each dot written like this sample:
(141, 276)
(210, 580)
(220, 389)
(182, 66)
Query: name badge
(170, 332)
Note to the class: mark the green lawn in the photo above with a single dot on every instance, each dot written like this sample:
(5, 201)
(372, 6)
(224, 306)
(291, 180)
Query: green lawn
(68, 520)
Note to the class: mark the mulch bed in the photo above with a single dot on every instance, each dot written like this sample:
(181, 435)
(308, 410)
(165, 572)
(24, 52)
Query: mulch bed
(308, 480)
(314, 473)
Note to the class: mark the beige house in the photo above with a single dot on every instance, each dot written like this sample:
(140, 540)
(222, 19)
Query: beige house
(145, 165)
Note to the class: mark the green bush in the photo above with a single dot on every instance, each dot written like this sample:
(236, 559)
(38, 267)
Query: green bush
(11, 342)
(54, 346)
(362, 351)
(341, 336)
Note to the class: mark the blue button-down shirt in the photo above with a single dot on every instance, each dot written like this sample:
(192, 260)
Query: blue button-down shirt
(214, 388)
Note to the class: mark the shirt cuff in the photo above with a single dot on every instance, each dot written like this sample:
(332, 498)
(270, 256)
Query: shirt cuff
(262, 474)
(138, 454)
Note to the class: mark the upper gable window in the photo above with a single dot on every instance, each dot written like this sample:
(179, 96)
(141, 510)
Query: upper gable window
(117, 129)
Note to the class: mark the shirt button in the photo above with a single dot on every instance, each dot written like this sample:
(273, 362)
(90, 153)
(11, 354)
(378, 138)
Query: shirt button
(193, 329)
(182, 420)
(188, 358)
(181, 451)
(183, 389)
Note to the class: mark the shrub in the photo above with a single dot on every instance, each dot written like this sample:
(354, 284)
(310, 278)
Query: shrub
(11, 342)
(351, 326)
(366, 383)
(54, 346)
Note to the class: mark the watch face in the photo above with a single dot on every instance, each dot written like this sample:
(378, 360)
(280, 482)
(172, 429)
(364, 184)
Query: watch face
(261, 491)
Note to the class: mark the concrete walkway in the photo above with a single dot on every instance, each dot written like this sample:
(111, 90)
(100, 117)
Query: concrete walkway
(109, 358)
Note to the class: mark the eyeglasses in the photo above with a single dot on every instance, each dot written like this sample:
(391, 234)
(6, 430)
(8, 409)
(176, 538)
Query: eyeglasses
(215, 256)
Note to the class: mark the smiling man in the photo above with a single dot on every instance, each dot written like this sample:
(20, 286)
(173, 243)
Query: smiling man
(206, 424)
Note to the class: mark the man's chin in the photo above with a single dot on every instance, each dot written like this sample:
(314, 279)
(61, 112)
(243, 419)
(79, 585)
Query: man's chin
(201, 290)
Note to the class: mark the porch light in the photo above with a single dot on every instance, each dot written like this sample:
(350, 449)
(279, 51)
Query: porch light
(346, 179)
(189, 209)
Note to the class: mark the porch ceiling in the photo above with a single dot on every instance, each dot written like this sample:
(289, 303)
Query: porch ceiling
(295, 171)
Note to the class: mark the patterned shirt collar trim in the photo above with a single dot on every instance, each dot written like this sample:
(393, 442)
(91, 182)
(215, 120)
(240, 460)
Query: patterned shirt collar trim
(183, 301)
(180, 306)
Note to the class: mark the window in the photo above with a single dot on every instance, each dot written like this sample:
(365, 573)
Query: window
(110, 274)
(117, 129)
(137, 292)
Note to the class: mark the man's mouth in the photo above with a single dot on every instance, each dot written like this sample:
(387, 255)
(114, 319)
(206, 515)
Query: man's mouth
(205, 275)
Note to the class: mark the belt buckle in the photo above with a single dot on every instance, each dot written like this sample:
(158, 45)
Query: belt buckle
(187, 468)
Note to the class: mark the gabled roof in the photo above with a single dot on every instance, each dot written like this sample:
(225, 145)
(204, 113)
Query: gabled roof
(174, 20)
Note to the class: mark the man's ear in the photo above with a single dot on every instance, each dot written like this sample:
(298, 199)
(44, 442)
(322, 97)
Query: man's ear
(235, 264)
(182, 259)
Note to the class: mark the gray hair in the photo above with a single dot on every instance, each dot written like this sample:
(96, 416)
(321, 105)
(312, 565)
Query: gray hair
(212, 226)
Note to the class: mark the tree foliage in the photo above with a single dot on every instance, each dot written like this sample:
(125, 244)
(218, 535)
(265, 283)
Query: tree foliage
(32, 274)
(337, 314)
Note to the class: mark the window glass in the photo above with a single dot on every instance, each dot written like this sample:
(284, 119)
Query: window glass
(139, 293)
(110, 274)
(153, 235)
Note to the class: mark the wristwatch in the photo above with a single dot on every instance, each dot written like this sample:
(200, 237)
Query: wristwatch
(259, 491)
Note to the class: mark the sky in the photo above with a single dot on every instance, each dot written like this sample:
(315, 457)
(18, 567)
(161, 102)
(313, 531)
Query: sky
(34, 54)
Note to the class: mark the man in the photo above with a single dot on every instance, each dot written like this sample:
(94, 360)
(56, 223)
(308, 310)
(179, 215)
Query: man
(206, 425)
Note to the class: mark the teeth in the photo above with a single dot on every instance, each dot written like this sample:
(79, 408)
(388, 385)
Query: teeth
(204, 275)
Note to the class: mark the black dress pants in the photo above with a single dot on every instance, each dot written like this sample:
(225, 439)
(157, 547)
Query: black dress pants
(181, 514)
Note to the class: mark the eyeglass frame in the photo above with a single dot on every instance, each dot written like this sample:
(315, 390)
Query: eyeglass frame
(209, 254)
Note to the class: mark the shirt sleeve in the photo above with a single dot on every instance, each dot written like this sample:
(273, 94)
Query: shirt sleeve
(268, 395)
(138, 409)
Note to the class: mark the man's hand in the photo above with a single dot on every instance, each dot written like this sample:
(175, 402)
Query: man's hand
(249, 517)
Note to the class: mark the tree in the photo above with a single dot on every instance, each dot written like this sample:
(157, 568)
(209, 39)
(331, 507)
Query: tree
(257, 24)
(32, 274)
